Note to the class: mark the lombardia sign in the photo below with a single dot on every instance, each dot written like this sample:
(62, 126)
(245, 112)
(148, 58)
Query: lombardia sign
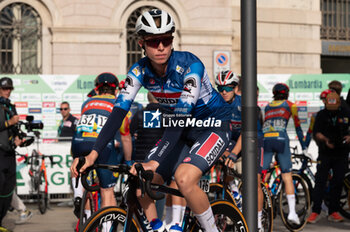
(41, 95)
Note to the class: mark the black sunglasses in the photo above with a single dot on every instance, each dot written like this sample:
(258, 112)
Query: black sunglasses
(63, 109)
(154, 43)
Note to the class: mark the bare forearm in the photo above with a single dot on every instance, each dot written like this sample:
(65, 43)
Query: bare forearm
(127, 146)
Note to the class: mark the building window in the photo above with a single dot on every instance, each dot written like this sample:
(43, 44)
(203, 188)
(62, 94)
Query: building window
(134, 52)
(20, 40)
(335, 19)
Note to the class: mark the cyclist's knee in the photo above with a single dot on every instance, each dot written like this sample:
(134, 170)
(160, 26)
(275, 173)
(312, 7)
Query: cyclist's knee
(187, 177)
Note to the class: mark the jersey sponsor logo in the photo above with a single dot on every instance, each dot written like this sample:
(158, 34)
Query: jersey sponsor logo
(272, 134)
(90, 134)
(274, 113)
(167, 98)
(136, 71)
(194, 146)
(211, 148)
(152, 151)
(190, 84)
(128, 81)
(98, 105)
(179, 69)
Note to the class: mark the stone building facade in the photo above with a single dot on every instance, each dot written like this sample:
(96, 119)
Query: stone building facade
(91, 36)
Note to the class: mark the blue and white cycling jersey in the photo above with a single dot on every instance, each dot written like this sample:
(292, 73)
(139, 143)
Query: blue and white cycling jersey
(185, 88)
(236, 117)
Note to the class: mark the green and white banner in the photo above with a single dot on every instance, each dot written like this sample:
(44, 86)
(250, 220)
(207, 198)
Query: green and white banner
(41, 95)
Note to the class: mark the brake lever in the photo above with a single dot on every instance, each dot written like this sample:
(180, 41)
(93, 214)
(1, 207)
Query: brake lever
(139, 169)
(80, 164)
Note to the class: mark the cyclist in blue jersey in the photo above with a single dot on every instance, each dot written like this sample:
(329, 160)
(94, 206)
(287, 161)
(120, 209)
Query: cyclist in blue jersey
(94, 114)
(227, 84)
(180, 83)
(276, 140)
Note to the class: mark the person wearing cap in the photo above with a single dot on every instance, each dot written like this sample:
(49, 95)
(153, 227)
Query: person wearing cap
(338, 87)
(68, 123)
(8, 141)
(331, 132)
(94, 114)
(180, 82)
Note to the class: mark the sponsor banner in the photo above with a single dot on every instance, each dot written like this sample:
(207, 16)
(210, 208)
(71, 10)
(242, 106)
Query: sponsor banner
(21, 105)
(58, 175)
(49, 104)
(22, 110)
(31, 97)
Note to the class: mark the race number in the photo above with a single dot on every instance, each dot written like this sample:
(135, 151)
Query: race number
(101, 120)
(86, 123)
(204, 184)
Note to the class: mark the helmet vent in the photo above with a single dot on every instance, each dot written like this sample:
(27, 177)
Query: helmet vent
(144, 21)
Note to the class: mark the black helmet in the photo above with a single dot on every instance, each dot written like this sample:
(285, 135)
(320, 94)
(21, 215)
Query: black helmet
(106, 79)
(280, 91)
(6, 82)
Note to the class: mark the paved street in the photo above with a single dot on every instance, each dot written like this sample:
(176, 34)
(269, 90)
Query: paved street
(61, 219)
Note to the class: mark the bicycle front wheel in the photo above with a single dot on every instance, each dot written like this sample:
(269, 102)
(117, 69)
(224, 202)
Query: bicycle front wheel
(227, 217)
(302, 203)
(108, 219)
(42, 195)
(267, 211)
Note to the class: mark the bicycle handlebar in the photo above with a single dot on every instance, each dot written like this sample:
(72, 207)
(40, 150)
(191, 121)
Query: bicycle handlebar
(145, 177)
(230, 171)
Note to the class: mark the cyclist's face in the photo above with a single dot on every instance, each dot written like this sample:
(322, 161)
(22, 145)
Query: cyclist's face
(158, 47)
(227, 95)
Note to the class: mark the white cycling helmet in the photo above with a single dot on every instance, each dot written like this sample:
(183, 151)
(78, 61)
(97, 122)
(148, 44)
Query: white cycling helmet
(227, 78)
(146, 25)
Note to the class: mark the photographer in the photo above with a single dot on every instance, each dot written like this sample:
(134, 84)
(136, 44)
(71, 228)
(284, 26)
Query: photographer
(8, 141)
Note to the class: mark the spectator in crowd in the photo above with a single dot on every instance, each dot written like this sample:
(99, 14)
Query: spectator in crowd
(68, 122)
(276, 140)
(8, 141)
(337, 87)
(19, 206)
(331, 133)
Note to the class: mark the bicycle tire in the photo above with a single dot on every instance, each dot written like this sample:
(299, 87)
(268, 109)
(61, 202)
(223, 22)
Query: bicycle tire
(87, 197)
(42, 195)
(307, 181)
(215, 193)
(302, 203)
(267, 212)
(115, 215)
(227, 217)
(344, 201)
